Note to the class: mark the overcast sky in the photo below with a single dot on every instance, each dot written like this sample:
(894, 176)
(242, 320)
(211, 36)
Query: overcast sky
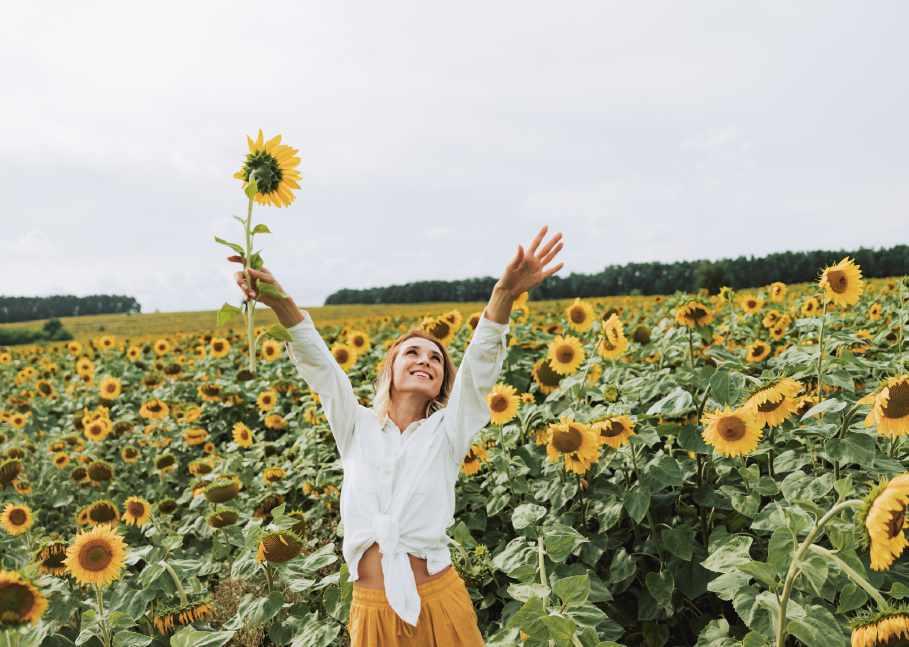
(435, 137)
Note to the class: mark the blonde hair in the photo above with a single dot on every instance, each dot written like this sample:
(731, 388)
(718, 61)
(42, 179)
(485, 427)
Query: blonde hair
(382, 400)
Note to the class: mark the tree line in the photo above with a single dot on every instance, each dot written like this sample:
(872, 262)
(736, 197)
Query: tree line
(14, 309)
(650, 278)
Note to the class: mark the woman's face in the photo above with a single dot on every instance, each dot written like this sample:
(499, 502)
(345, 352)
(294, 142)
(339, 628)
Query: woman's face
(418, 368)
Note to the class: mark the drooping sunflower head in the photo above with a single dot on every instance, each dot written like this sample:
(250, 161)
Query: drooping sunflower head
(503, 401)
(473, 461)
(565, 354)
(50, 557)
(614, 431)
(223, 489)
(102, 512)
(881, 627)
(279, 547)
(274, 166)
(842, 282)
(545, 376)
(222, 518)
(20, 600)
(9, 471)
(167, 618)
(890, 408)
(732, 432)
(96, 557)
(883, 517)
(774, 403)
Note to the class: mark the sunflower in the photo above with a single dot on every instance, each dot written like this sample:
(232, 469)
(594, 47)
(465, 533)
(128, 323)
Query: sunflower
(222, 489)
(166, 619)
(777, 292)
(881, 628)
(275, 421)
(166, 463)
(136, 511)
(883, 521)
(45, 389)
(360, 341)
(243, 435)
(890, 409)
(161, 347)
(775, 403)
(613, 344)
(96, 557)
(757, 351)
(222, 518)
(273, 474)
(129, 454)
(344, 355)
(201, 466)
(614, 431)
(693, 314)
(810, 307)
(154, 409)
(209, 392)
(194, 436)
(473, 461)
(440, 328)
(102, 511)
(503, 401)
(750, 304)
(732, 432)
(100, 472)
(97, 429)
(575, 443)
(874, 311)
(60, 460)
(842, 283)
(267, 400)
(279, 547)
(219, 346)
(16, 518)
(274, 166)
(49, 557)
(20, 601)
(110, 388)
(580, 315)
(268, 503)
(565, 354)
(272, 350)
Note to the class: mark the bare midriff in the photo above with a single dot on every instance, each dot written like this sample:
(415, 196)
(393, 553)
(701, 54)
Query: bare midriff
(370, 569)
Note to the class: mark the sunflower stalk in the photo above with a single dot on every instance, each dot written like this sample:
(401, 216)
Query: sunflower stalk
(102, 620)
(181, 592)
(795, 564)
(820, 350)
(250, 313)
(851, 573)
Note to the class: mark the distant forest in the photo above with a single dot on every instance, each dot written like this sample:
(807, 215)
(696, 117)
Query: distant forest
(30, 308)
(649, 278)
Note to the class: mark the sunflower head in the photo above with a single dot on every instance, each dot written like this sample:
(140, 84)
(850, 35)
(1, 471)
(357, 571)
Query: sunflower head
(20, 600)
(732, 432)
(565, 354)
(887, 627)
(167, 618)
(884, 518)
(273, 169)
(96, 557)
(136, 511)
(16, 518)
(842, 283)
(223, 489)
(890, 408)
(503, 401)
(50, 557)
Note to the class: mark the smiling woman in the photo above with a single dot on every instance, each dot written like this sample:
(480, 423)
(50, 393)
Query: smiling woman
(401, 457)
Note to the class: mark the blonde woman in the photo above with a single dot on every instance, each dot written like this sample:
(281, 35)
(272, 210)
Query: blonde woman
(401, 459)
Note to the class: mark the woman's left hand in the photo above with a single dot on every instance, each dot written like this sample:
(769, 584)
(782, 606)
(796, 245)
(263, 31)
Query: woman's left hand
(528, 269)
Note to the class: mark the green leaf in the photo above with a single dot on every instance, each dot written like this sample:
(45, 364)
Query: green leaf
(761, 571)
(269, 289)
(251, 188)
(526, 515)
(528, 616)
(622, 567)
(663, 471)
(818, 628)
(226, 314)
(131, 639)
(261, 228)
(674, 405)
(254, 611)
(279, 332)
(637, 502)
(679, 541)
(560, 628)
(729, 554)
(189, 637)
(660, 586)
(523, 592)
(518, 560)
(831, 405)
(560, 541)
(233, 246)
(573, 590)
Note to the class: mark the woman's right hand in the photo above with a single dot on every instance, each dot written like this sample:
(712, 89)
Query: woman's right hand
(252, 291)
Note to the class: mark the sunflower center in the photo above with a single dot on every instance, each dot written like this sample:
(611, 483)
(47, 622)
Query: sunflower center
(613, 429)
(341, 356)
(548, 376)
(565, 354)
(267, 169)
(731, 429)
(567, 440)
(102, 513)
(96, 556)
(898, 403)
(135, 509)
(769, 405)
(18, 517)
(696, 314)
(471, 457)
(16, 601)
(577, 315)
(838, 281)
(895, 524)
(499, 403)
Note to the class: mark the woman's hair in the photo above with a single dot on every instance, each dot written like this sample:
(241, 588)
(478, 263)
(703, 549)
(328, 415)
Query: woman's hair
(382, 399)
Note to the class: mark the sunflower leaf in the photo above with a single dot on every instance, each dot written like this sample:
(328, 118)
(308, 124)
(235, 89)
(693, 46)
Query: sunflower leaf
(270, 290)
(261, 228)
(233, 246)
(251, 188)
(279, 332)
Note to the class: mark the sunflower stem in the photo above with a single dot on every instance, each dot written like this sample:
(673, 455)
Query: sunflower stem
(177, 583)
(690, 349)
(541, 555)
(102, 621)
(853, 575)
(794, 565)
(820, 350)
(250, 327)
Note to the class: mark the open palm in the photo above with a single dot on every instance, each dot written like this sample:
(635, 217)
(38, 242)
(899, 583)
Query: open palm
(528, 268)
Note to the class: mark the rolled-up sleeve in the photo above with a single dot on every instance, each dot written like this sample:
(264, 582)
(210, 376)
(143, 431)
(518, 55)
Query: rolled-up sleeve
(467, 411)
(318, 367)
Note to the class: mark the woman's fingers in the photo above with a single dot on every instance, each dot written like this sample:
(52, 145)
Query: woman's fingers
(551, 255)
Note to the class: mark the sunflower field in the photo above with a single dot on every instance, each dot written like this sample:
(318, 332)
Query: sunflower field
(709, 470)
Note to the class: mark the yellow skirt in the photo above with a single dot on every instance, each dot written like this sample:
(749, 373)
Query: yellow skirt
(447, 617)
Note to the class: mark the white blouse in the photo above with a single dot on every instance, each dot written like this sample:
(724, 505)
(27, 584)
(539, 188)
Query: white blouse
(398, 488)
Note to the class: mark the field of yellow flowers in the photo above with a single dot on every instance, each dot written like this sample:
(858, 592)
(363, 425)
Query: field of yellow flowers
(662, 471)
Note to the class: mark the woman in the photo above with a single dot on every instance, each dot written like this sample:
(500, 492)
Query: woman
(402, 456)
